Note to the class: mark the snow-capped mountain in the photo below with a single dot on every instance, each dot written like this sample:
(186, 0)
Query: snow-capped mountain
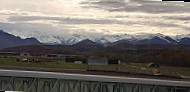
(179, 37)
(43, 37)
(140, 38)
(9, 40)
(113, 38)
(75, 39)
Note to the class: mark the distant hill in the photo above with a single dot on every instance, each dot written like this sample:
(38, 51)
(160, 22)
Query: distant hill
(154, 40)
(85, 42)
(77, 48)
(8, 40)
(185, 40)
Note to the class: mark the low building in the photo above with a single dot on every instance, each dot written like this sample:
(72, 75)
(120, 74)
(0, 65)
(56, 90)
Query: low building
(78, 62)
(9, 53)
(52, 55)
(97, 61)
(153, 65)
(25, 60)
(24, 54)
(114, 61)
(69, 60)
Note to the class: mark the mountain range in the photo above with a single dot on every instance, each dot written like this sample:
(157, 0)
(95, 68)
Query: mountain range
(9, 40)
(143, 38)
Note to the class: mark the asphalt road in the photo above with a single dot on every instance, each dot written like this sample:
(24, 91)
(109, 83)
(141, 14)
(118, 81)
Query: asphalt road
(67, 76)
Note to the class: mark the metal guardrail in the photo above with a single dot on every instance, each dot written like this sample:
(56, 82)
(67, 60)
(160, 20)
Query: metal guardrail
(32, 81)
(60, 85)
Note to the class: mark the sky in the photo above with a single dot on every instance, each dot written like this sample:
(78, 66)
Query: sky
(93, 17)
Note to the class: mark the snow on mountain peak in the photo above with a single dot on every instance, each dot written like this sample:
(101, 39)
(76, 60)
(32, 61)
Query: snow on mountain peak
(66, 39)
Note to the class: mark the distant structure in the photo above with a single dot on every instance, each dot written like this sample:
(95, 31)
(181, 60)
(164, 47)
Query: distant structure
(14, 54)
(63, 55)
(52, 55)
(78, 62)
(9, 53)
(92, 60)
(24, 54)
(153, 65)
(114, 61)
(69, 60)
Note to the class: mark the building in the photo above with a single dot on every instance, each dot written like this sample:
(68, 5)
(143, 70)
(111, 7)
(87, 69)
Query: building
(9, 54)
(24, 54)
(69, 60)
(52, 55)
(114, 61)
(153, 65)
(78, 62)
(97, 61)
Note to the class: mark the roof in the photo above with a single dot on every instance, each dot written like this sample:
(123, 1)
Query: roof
(93, 59)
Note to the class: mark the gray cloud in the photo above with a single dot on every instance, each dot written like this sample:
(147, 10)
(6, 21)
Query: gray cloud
(31, 18)
(64, 20)
(181, 18)
(138, 6)
(26, 27)
(90, 21)
(67, 21)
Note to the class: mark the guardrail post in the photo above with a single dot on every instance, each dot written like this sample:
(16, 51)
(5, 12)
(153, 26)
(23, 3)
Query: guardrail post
(136, 88)
(9, 84)
(101, 88)
(154, 89)
(189, 90)
(1, 83)
(139, 88)
(21, 85)
(75, 87)
(117, 88)
(31, 85)
(13, 84)
(173, 89)
(54, 85)
(62, 87)
(96, 88)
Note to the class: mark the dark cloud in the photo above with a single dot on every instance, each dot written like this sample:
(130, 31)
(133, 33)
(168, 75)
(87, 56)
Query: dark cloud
(181, 18)
(31, 18)
(138, 6)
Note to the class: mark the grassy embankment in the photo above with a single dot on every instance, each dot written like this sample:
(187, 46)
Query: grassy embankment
(180, 70)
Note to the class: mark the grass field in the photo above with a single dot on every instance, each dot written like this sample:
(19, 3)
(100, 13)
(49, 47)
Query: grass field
(57, 64)
(63, 65)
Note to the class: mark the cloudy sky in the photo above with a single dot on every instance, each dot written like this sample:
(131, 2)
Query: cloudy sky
(94, 17)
